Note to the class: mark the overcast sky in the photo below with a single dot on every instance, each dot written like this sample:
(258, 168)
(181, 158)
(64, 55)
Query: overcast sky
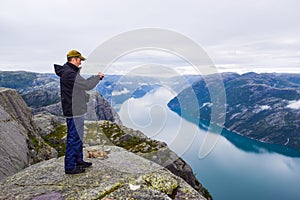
(238, 35)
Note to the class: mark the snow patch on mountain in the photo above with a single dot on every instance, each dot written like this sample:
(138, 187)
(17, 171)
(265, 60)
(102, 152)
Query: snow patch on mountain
(117, 93)
(294, 105)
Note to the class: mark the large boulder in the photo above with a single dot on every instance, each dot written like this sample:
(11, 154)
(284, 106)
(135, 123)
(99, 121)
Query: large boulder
(123, 175)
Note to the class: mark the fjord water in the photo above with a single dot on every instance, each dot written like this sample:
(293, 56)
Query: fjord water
(234, 168)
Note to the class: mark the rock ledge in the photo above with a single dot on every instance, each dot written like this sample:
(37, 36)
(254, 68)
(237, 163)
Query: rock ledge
(123, 175)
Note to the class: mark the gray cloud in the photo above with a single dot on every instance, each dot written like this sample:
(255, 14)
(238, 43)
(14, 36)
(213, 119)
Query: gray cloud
(250, 34)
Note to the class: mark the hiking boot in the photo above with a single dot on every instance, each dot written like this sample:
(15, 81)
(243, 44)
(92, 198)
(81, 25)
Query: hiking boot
(84, 164)
(76, 170)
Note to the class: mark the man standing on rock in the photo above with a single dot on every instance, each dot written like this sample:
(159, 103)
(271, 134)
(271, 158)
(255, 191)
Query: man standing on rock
(73, 89)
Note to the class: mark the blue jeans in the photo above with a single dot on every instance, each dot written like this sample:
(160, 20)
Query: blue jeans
(74, 153)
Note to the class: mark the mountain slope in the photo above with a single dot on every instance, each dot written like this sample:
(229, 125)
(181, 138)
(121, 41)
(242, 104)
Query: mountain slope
(264, 107)
(36, 89)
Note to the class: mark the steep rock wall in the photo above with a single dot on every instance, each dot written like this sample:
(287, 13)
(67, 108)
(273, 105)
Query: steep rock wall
(20, 141)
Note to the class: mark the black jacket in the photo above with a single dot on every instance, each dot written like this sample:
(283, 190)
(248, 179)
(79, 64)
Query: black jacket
(72, 89)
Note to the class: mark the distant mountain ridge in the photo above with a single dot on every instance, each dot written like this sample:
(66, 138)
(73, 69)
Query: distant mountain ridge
(260, 106)
(41, 92)
(42, 89)
(265, 107)
(36, 89)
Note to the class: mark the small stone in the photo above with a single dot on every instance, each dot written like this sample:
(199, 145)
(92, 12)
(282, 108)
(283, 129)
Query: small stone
(134, 187)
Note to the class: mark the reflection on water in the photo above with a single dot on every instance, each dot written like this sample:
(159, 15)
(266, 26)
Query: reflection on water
(249, 145)
(236, 168)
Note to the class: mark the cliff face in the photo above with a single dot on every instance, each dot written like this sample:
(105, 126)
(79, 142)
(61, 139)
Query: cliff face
(21, 143)
(123, 175)
(14, 152)
(100, 109)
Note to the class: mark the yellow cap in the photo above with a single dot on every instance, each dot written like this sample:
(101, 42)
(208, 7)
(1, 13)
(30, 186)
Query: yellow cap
(74, 53)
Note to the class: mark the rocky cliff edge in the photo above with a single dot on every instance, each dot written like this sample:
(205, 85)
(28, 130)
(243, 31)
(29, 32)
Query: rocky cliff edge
(122, 175)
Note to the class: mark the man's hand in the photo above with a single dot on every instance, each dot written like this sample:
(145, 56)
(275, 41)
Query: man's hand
(101, 75)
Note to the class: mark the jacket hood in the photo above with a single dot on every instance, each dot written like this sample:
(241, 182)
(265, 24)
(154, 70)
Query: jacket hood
(58, 69)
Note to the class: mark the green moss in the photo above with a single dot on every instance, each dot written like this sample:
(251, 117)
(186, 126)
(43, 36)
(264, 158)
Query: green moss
(133, 144)
(34, 143)
(55, 139)
(107, 129)
(110, 190)
(59, 132)
(94, 135)
(92, 131)
(130, 143)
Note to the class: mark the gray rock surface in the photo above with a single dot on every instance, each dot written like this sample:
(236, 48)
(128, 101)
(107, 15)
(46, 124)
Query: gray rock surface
(100, 109)
(47, 123)
(54, 109)
(123, 175)
(20, 141)
(14, 153)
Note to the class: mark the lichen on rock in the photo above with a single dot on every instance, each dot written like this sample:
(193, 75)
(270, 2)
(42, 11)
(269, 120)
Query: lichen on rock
(161, 182)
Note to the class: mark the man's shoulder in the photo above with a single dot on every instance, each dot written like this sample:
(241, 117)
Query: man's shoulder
(67, 71)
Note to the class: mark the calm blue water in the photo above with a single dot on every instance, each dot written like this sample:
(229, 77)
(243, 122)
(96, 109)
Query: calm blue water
(229, 166)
